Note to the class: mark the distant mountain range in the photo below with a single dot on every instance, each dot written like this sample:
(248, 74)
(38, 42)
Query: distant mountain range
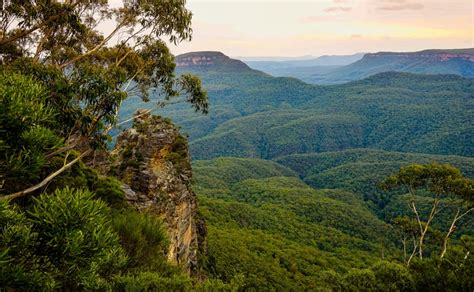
(333, 60)
(253, 114)
(457, 61)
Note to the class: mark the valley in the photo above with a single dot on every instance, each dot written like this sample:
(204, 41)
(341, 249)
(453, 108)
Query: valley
(288, 173)
(137, 154)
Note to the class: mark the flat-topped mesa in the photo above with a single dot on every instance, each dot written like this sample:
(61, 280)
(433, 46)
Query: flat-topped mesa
(200, 59)
(208, 59)
(438, 55)
(152, 159)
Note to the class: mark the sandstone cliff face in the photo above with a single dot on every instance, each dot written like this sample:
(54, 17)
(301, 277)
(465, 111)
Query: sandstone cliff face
(208, 59)
(200, 59)
(152, 159)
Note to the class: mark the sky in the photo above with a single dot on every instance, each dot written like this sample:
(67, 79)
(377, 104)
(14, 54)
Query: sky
(246, 28)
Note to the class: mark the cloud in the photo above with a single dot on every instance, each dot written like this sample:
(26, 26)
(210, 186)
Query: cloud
(338, 6)
(393, 1)
(338, 9)
(397, 5)
(408, 6)
(356, 36)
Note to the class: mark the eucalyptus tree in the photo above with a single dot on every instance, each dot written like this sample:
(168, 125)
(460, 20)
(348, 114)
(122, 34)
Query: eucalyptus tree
(89, 55)
(444, 183)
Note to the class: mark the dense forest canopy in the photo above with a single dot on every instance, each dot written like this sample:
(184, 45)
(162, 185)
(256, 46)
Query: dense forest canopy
(257, 115)
(290, 236)
(363, 186)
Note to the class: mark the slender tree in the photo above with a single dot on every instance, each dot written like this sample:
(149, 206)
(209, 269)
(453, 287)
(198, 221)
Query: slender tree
(442, 181)
(464, 190)
(89, 56)
(408, 230)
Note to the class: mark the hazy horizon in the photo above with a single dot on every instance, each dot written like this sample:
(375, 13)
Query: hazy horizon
(307, 56)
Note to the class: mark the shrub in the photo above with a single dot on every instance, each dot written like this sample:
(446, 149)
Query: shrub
(144, 239)
(64, 242)
(19, 266)
(149, 281)
(392, 276)
(360, 280)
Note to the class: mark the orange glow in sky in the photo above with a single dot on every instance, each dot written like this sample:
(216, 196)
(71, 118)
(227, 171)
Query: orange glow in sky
(296, 28)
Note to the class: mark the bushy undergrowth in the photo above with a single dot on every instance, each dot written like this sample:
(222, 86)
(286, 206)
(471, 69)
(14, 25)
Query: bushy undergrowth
(64, 241)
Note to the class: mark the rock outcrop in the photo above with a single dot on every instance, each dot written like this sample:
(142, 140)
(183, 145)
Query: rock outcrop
(200, 59)
(208, 59)
(152, 159)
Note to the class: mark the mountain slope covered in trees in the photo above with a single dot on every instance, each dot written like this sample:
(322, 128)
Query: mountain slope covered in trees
(340, 141)
(256, 115)
(284, 232)
(76, 215)
(291, 236)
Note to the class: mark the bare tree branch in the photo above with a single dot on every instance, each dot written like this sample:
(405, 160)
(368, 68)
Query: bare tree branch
(97, 47)
(35, 27)
(46, 180)
(452, 228)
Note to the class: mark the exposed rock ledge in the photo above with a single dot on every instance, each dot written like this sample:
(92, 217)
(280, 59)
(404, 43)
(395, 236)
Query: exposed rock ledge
(152, 159)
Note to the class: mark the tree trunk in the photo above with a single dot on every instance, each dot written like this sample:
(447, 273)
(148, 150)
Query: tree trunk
(452, 228)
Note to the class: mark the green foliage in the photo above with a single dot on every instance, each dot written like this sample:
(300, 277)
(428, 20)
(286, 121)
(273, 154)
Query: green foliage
(179, 154)
(360, 280)
(63, 34)
(452, 273)
(436, 178)
(63, 81)
(392, 276)
(305, 202)
(265, 261)
(291, 237)
(362, 170)
(106, 188)
(223, 172)
(383, 276)
(144, 239)
(18, 242)
(285, 233)
(76, 236)
(26, 130)
(64, 241)
(150, 281)
(256, 115)
(218, 285)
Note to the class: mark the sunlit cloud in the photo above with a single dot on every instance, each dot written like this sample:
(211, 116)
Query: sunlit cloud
(397, 5)
(338, 9)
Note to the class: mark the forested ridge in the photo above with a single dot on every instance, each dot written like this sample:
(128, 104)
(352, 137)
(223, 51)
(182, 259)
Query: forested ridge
(361, 186)
(456, 61)
(339, 143)
(257, 115)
